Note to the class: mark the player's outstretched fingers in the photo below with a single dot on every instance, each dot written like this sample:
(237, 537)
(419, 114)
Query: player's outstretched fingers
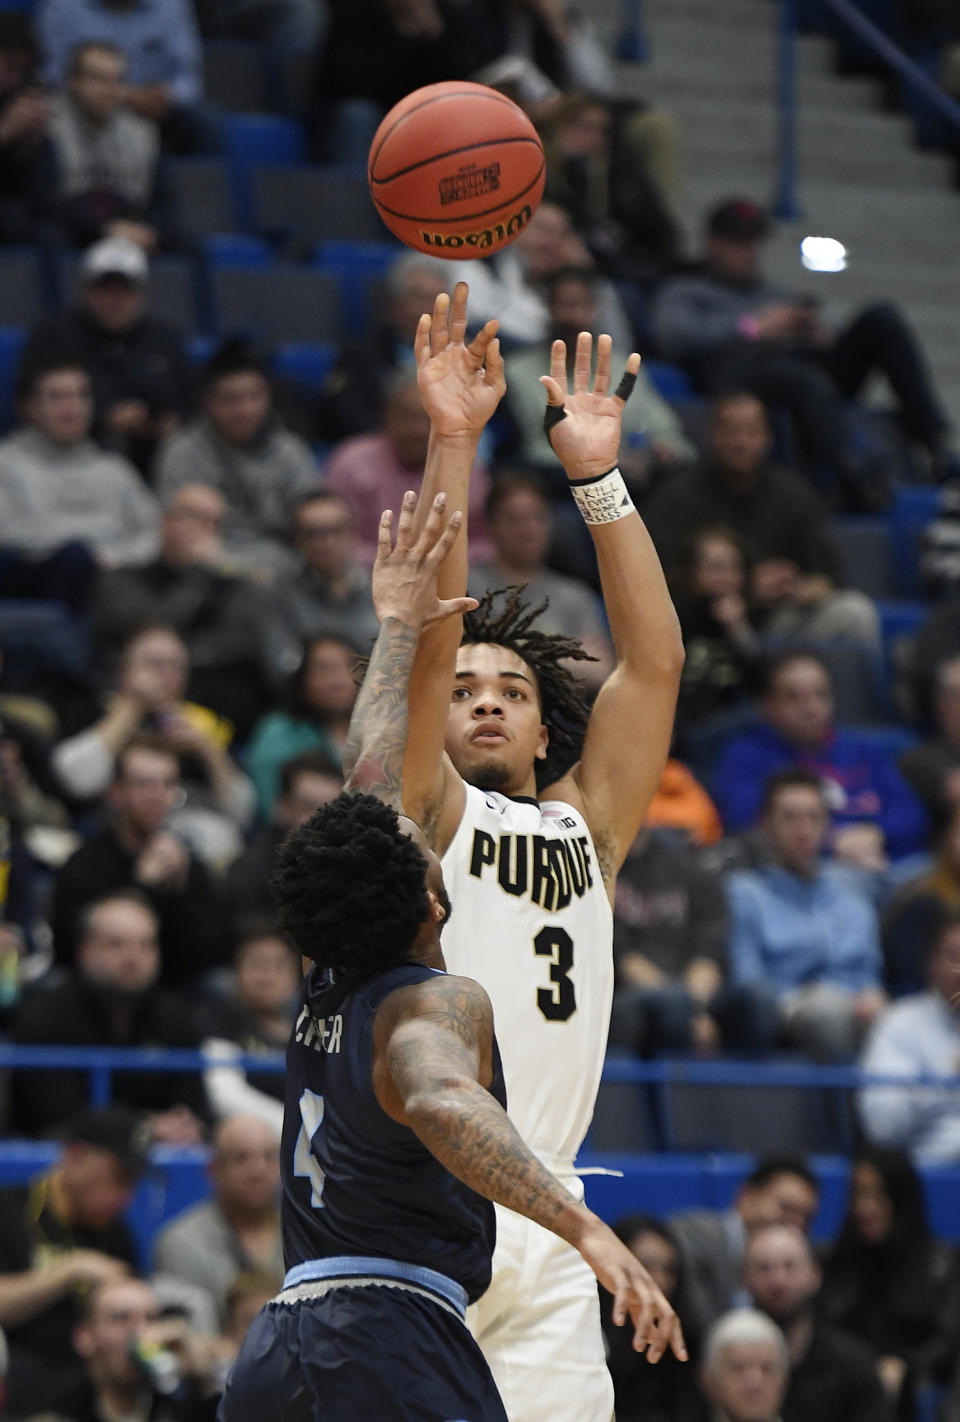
(678, 1344)
(421, 341)
(602, 383)
(432, 529)
(628, 380)
(457, 321)
(661, 1331)
(493, 365)
(453, 607)
(441, 545)
(385, 536)
(582, 362)
(479, 347)
(405, 524)
(558, 365)
(440, 334)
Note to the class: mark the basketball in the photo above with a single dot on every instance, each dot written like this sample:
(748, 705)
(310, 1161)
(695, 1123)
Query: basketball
(456, 170)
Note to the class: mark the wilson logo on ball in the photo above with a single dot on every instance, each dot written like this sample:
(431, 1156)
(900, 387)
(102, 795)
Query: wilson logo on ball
(475, 182)
(485, 237)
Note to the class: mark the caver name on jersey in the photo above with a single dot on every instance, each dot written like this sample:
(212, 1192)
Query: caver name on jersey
(323, 1034)
(551, 871)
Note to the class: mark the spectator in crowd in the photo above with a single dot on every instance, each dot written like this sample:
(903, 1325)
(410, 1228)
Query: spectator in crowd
(148, 698)
(162, 47)
(106, 179)
(781, 523)
(728, 325)
(653, 440)
(239, 446)
(315, 715)
(745, 1368)
(355, 392)
(189, 588)
(520, 523)
(328, 595)
(596, 172)
(66, 505)
(255, 1017)
(120, 1331)
(720, 637)
(142, 382)
(60, 1235)
(889, 1282)
(874, 813)
(137, 849)
(933, 768)
(681, 803)
(806, 931)
(919, 1036)
(779, 1190)
(111, 998)
(670, 949)
(643, 1393)
(307, 782)
(913, 918)
(833, 1375)
(238, 1229)
(25, 154)
(510, 285)
(373, 472)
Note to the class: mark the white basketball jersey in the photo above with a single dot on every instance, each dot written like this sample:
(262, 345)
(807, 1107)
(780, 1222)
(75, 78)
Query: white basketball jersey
(532, 923)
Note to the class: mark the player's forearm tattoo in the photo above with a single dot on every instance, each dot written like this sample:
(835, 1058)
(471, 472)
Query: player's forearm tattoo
(459, 1121)
(373, 759)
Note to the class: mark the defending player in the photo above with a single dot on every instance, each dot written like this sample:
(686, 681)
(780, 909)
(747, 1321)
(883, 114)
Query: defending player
(531, 854)
(395, 1138)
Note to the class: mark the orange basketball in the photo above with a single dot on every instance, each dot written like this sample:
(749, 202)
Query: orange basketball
(456, 170)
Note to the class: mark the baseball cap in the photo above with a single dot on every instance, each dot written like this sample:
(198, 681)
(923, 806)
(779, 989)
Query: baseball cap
(122, 1133)
(115, 256)
(739, 220)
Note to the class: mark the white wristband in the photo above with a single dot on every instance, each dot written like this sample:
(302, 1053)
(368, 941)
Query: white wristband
(603, 499)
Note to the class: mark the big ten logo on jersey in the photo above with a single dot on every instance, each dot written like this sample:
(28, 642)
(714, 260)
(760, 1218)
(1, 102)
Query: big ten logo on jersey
(550, 871)
(323, 1034)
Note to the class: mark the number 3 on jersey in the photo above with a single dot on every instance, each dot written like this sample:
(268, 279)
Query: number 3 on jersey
(559, 1001)
(304, 1161)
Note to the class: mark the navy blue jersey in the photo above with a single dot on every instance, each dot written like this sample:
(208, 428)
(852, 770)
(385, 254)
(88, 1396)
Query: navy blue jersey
(355, 1181)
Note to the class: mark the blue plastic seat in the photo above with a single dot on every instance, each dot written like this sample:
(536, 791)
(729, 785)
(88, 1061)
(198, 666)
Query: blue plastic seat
(302, 361)
(234, 77)
(865, 546)
(898, 620)
(237, 249)
(12, 340)
(252, 141)
(301, 206)
(22, 295)
(203, 195)
(360, 268)
(670, 381)
(279, 304)
(914, 506)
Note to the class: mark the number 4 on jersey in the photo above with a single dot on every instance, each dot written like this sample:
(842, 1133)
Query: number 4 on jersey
(304, 1161)
(559, 1001)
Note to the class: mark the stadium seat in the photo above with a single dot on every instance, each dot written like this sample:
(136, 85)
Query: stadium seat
(360, 268)
(233, 76)
(279, 304)
(172, 288)
(756, 1118)
(12, 340)
(899, 620)
(306, 363)
(202, 195)
(299, 207)
(624, 1117)
(254, 140)
(913, 508)
(866, 554)
(237, 249)
(670, 381)
(21, 283)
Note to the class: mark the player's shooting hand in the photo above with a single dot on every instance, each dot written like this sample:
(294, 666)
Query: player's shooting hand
(405, 573)
(460, 385)
(587, 439)
(635, 1295)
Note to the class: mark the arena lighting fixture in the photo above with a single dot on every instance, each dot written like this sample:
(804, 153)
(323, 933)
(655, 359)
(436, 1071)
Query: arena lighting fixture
(823, 254)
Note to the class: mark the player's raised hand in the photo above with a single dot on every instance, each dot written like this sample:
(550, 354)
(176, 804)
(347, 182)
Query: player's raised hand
(635, 1295)
(405, 572)
(586, 436)
(460, 385)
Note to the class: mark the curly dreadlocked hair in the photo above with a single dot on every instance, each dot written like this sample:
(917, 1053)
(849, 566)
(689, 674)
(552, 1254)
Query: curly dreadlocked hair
(351, 886)
(505, 620)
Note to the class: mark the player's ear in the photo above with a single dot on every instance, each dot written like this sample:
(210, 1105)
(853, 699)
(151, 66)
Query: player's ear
(437, 911)
(542, 743)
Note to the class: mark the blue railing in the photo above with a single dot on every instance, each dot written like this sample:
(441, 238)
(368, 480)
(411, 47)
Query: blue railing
(851, 17)
(102, 1062)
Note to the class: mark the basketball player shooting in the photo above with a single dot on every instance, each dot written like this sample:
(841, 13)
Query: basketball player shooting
(531, 852)
(395, 1140)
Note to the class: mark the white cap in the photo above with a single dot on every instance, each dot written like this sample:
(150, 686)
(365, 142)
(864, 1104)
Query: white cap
(115, 256)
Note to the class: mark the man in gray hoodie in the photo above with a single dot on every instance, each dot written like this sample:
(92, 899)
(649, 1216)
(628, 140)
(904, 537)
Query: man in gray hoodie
(67, 507)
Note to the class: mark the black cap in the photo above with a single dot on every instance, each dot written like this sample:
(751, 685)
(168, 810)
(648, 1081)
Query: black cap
(739, 220)
(122, 1133)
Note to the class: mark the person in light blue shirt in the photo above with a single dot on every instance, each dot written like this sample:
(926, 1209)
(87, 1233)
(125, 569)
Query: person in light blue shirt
(919, 1036)
(161, 44)
(806, 928)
